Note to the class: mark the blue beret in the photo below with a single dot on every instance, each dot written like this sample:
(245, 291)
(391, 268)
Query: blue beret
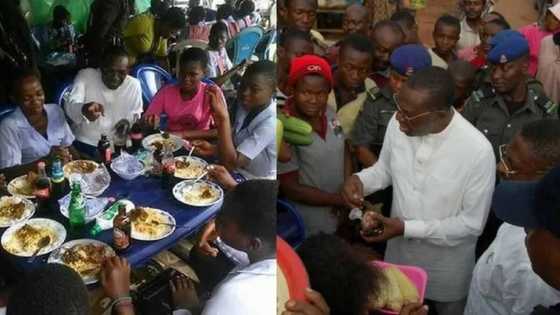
(508, 48)
(410, 58)
(505, 34)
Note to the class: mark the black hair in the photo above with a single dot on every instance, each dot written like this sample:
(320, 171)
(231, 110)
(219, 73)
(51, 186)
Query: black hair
(344, 278)
(264, 68)
(544, 138)
(503, 24)
(194, 54)
(289, 2)
(60, 13)
(19, 77)
(224, 12)
(448, 20)
(218, 28)
(290, 34)
(174, 17)
(159, 7)
(498, 14)
(462, 69)
(439, 84)
(111, 53)
(393, 26)
(247, 7)
(404, 17)
(251, 206)
(358, 42)
(51, 289)
(197, 15)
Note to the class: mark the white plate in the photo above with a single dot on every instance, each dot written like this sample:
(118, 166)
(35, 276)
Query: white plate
(181, 186)
(27, 213)
(17, 183)
(67, 166)
(146, 237)
(196, 161)
(146, 142)
(56, 256)
(57, 238)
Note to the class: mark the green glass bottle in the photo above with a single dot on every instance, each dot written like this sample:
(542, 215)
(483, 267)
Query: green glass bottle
(77, 207)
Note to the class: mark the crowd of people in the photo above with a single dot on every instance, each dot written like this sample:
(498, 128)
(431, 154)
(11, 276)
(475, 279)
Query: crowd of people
(226, 111)
(438, 137)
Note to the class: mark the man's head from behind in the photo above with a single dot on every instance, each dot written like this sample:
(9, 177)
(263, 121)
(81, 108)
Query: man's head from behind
(407, 21)
(535, 206)
(464, 75)
(54, 289)
(532, 152)
(292, 43)
(300, 14)
(424, 102)
(356, 20)
(247, 221)
(386, 37)
(172, 21)
(114, 67)
(354, 61)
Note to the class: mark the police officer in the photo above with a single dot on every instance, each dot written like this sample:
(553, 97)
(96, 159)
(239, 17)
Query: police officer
(501, 108)
(369, 128)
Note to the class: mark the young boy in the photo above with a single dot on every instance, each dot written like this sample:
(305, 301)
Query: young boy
(470, 25)
(386, 36)
(292, 43)
(464, 76)
(313, 177)
(247, 141)
(186, 103)
(406, 20)
(446, 34)
(352, 84)
(247, 223)
(301, 15)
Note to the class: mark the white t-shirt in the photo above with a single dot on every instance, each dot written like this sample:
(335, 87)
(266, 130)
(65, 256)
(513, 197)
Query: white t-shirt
(125, 102)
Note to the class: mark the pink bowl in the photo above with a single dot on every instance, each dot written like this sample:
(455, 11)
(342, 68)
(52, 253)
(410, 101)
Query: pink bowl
(417, 276)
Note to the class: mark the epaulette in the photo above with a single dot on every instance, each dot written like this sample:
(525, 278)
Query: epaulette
(374, 92)
(543, 102)
(484, 92)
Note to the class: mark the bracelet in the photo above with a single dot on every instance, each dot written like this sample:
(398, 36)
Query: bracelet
(120, 300)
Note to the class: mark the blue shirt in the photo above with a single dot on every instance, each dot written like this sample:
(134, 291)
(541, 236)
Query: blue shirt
(257, 141)
(20, 143)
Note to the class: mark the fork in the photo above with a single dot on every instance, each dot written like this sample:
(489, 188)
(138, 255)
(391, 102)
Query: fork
(43, 242)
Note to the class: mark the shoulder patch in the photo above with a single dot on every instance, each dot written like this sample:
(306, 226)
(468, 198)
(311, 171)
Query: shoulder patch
(374, 92)
(544, 103)
(484, 92)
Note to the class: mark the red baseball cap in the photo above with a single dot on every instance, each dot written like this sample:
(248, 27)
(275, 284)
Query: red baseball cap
(309, 64)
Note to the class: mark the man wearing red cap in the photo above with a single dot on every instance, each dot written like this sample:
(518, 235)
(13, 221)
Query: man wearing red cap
(314, 176)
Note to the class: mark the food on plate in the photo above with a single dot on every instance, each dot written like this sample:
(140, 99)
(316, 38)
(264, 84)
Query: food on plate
(26, 239)
(282, 291)
(150, 222)
(86, 259)
(80, 167)
(11, 208)
(158, 144)
(24, 185)
(188, 168)
(397, 291)
(200, 193)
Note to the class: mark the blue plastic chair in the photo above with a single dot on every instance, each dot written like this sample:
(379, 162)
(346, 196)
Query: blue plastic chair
(63, 94)
(151, 78)
(243, 45)
(289, 224)
(263, 48)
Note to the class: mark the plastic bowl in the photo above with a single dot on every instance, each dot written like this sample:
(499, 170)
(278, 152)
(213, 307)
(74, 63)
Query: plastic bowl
(127, 169)
(417, 276)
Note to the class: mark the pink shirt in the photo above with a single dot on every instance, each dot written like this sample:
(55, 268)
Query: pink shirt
(198, 32)
(534, 35)
(193, 114)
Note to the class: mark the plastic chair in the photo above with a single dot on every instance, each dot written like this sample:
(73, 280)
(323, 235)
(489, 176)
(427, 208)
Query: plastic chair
(5, 110)
(151, 78)
(63, 94)
(243, 45)
(289, 224)
(267, 46)
(182, 46)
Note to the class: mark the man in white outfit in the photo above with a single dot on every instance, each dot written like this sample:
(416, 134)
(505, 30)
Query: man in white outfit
(442, 170)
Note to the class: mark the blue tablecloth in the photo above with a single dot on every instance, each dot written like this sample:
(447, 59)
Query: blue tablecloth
(143, 191)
